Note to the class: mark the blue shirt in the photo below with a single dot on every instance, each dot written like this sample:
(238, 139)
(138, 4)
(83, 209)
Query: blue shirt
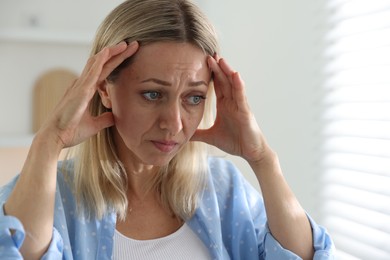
(230, 220)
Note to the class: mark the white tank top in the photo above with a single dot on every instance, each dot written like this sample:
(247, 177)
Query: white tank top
(182, 244)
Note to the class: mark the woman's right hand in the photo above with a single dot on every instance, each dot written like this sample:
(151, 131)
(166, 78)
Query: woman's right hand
(32, 199)
(71, 122)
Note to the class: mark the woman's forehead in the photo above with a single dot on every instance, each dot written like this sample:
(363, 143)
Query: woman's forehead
(170, 57)
(171, 51)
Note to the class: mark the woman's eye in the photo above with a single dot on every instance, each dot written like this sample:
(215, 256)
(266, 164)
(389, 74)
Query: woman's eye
(151, 95)
(195, 100)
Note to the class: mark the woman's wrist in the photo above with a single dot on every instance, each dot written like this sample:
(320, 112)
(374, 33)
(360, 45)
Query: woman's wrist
(46, 142)
(267, 160)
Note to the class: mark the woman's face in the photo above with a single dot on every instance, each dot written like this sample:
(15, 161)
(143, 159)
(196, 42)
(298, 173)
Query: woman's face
(158, 101)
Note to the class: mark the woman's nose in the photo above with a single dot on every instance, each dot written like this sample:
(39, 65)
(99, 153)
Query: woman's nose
(171, 118)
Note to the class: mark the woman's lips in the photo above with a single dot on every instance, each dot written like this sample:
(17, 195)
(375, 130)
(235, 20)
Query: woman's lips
(165, 146)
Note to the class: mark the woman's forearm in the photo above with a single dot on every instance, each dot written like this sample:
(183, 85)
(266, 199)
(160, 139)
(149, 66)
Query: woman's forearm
(32, 199)
(286, 218)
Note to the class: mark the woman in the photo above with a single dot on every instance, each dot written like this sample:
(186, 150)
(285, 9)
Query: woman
(140, 185)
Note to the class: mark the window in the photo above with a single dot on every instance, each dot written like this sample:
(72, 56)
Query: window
(356, 132)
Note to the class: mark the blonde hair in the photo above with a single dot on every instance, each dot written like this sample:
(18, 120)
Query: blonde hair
(100, 179)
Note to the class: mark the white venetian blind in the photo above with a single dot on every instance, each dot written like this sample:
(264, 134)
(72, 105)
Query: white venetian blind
(356, 132)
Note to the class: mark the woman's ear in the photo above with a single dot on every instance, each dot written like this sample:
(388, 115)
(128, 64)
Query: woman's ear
(104, 93)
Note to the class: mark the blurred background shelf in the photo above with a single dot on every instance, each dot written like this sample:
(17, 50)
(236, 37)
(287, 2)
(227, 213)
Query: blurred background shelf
(45, 36)
(16, 141)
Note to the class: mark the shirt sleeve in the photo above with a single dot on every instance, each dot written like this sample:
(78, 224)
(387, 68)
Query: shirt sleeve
(323, 245)
(10, 242)
(270, 248)
(243, 220)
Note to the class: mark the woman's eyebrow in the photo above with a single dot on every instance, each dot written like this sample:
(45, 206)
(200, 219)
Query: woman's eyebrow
(198, 83)
(157, 81)
(166, 83)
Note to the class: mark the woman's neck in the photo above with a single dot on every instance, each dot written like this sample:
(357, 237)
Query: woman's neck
(140, 180)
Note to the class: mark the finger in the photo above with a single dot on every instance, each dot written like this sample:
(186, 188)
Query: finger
(218, 92)
(102, 56)
(90, 126)
(117, 59)
(201, 135)
(118, 48)
(103, 121)
(221, 83)
(227, 69)
(94, 67)
(90, 74)
(225, 66)
(93, 125)
(238, 92)
(216, 57)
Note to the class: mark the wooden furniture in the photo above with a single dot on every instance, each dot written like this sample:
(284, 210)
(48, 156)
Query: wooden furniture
(48, 90)
(11, 161)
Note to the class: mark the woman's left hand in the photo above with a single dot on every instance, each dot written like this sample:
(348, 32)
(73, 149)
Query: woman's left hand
(235, 129)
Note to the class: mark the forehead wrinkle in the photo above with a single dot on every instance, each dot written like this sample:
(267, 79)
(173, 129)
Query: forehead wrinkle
(157, 81)
(197, 83)
(167, 84)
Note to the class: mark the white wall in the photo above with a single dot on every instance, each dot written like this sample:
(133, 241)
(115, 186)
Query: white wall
(35, 36)
(272, 44)
(269, 42)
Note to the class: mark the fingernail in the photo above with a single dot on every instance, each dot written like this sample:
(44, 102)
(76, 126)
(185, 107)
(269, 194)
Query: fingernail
(239, 76)
(131, 43)
(216, 57)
